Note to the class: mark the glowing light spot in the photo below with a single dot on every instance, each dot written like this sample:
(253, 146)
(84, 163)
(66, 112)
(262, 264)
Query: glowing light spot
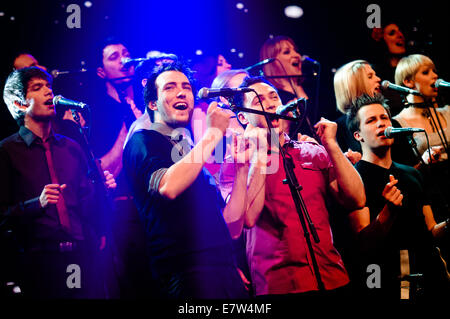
(17, 290)
(2, 14)
(245, 10)
(199, 52)
(240, 5)
(241, 55)
(293, 12)
(12, 18)
(88, 4)
(233, 50)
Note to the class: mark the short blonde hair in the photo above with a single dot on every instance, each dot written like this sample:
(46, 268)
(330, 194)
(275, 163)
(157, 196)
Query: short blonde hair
(350, 82)
(408, 66)
(270, 49)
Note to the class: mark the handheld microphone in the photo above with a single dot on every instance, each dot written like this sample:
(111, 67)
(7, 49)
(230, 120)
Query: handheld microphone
(128, 62)
(441, 84)
(259, 64)
(391, 132)
(291, 106)
(308, 59)
(388, 85)
(208, 93)
(70, 104)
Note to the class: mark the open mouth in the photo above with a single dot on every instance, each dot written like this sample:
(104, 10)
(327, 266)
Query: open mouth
(296, 64)
(48, 102)
(181, 106)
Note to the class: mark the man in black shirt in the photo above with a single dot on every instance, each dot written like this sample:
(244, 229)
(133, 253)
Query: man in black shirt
(187, 237)
(394, 229)
(46, 198)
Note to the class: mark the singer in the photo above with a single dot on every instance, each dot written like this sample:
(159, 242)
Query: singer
(350, 81)
(396, 212)
(113, 111)
(184, 214)
(276, 247)
(419, 72)
(46, 200)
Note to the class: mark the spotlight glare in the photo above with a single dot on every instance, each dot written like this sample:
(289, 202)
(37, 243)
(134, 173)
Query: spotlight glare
(293, 12)
(241, 55)
(240, 5)
(88, 4)
(233, 50)
(199, 52)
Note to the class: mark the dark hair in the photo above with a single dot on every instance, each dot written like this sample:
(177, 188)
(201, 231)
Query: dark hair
(16, 87)
(150, 90)
(248, 81)
(102, 45)
(353, 121)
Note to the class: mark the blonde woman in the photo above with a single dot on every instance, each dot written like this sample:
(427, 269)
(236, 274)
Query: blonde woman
(350, 82)
(418, 72)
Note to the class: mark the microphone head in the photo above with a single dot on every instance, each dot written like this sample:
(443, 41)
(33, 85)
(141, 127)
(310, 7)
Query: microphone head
(387, 131)
(203, 93)
(385, 84)
(56, 99)
(54, 73)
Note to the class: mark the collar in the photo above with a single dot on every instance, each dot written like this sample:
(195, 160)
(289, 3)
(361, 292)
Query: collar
(29, 137)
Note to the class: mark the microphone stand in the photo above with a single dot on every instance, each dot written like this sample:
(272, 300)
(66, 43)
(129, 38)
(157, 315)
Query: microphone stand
(95, 173)
(294, 187)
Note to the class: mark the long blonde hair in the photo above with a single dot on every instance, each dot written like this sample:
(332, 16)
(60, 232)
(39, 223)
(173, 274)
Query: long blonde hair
(350, 82)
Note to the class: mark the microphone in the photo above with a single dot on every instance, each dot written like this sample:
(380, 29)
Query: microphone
(308, 59)
(259, 64)
(388, 85)
(391, 132)
(55, 73)
(441, 84)
(208, 93)
(70, 104)
(128, 62)
(291, 106)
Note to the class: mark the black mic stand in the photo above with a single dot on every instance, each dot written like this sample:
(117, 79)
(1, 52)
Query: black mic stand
(294, 186)
(95, 173)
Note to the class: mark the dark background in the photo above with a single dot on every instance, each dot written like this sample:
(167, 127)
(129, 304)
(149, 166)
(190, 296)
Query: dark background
(332, 32)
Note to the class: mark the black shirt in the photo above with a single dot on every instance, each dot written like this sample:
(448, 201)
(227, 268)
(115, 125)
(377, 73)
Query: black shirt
(186, 232)
(408, 230)
(24, 172)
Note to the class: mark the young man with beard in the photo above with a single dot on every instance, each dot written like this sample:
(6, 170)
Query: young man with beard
(185, 217)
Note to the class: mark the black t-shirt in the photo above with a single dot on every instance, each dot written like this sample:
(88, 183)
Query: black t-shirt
(408, 230)
(183, 233)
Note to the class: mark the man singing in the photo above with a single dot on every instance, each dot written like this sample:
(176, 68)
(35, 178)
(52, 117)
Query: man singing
(185, 217)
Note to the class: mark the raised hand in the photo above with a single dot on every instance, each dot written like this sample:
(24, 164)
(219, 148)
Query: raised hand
(391, 193)
(217, 118)
(326, 130)
(110, 182)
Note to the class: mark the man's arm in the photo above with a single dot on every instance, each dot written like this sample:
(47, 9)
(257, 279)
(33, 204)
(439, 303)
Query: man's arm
(256, 188)
(112, 161)
(369, 233)
(347, 187)
(182, 174)
(437, 230)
